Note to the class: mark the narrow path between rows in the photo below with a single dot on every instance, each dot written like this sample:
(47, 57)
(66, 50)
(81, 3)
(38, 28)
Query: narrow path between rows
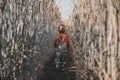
(49, 72)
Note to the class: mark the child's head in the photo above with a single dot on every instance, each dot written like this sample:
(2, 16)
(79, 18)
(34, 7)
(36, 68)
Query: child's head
(61, 28)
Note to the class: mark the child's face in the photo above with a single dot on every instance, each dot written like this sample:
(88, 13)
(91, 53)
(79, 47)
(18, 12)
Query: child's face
(61, 27)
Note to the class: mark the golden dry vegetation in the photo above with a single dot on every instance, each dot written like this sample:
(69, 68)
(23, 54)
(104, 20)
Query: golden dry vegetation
(28, 28)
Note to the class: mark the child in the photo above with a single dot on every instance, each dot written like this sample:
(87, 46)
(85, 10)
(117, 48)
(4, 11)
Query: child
(61, 44)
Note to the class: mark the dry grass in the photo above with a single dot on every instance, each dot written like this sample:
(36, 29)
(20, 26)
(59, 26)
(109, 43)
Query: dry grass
(94, 30)
(26, 37)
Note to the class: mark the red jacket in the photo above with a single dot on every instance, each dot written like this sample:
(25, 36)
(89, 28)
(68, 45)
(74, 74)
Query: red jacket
(64, 37)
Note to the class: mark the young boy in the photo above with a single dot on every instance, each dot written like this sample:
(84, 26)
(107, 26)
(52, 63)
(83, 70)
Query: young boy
(61, 43)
